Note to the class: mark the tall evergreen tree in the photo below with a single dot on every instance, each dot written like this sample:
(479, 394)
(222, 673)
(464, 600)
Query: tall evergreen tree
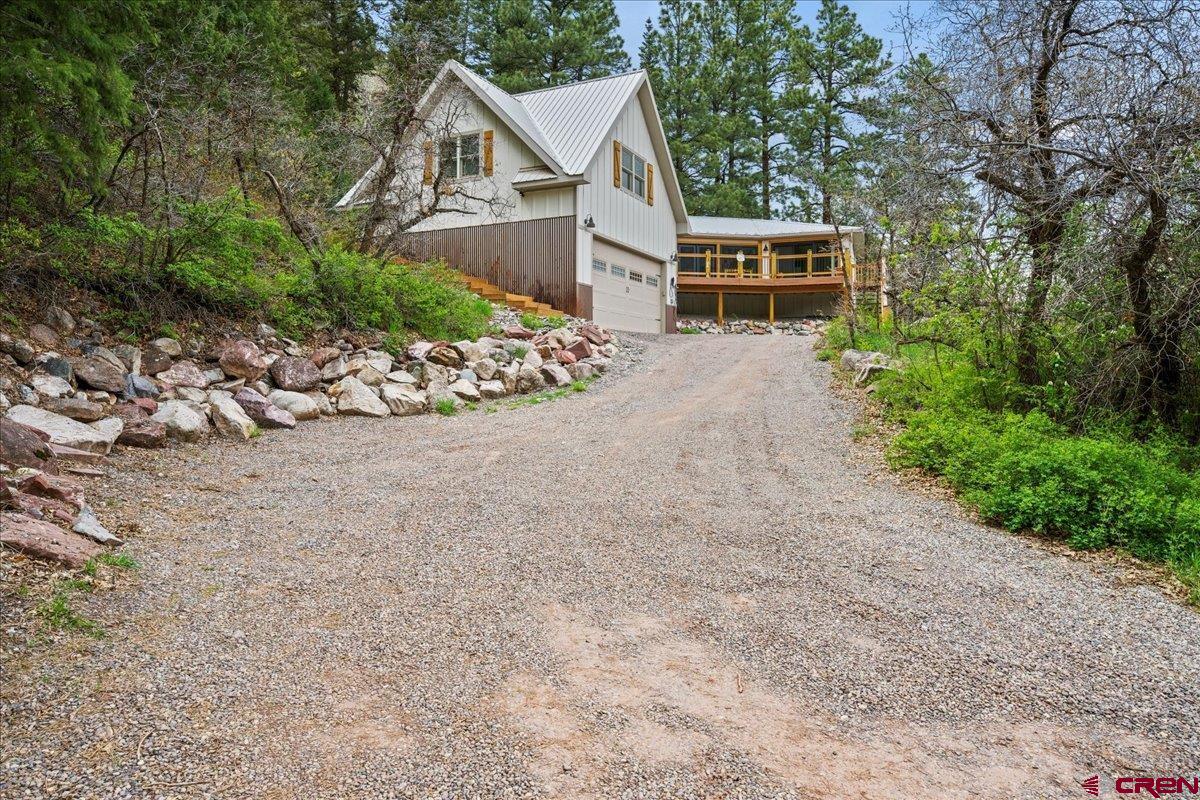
(532, 44)
(842, 66)
(422, 34)
(338, 40)
(672, 54)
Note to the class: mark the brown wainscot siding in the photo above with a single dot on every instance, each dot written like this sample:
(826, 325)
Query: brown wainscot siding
(535, 257)
(670, 325)
(583, 300)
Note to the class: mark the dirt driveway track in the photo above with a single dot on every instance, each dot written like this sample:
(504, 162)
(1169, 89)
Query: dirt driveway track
(681, 583)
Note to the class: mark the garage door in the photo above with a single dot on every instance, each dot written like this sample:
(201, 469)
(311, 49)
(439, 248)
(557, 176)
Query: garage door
(626, 289)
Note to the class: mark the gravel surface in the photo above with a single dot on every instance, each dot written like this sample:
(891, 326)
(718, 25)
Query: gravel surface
(681, 583)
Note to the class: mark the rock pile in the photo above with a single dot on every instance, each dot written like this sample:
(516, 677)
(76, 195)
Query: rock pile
(69, 411)
(790, 327)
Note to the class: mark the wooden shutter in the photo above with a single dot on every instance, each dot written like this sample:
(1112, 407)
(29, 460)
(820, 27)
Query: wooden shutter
(616, 163)
(487, 152)
(650, 184)
(428, 162)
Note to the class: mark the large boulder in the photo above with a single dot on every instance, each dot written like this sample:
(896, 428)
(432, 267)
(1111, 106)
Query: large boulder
(371, 376)
(243, 359)
(295, 374)
(490, 390)
(530, 379)
(355, 398)
(184, 373)
(99, 373)
(56, 365)
(170, 347)
(155, 359)
(335, 369)
(131, 357)
(43, 335)
(300, 406)
(139, 386)
(468, 351)
(230, 420)
(263, 411)
(404, 399)
(533, 359)
(24, 446)
(401, 376)
(65, 431)
(434, 373)
(485, 368)
(21, 350)
(323, 355)
(181, 421)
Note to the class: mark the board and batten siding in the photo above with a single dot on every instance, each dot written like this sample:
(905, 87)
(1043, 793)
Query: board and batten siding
(619, 215)
(509, 155)
(530, 257)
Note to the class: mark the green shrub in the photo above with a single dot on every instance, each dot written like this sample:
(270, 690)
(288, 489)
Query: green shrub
(535, 323)
(690, 329)
(446, 407)
(1027, 473)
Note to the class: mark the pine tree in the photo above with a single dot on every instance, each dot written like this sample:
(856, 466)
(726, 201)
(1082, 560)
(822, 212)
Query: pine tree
(337, 39)
(769, 28)
(841, 66)
(672, 54)
(533, 44)
(423, 34)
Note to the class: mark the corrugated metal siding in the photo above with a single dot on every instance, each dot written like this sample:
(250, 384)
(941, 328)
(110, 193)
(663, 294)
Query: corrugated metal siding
(534, 257)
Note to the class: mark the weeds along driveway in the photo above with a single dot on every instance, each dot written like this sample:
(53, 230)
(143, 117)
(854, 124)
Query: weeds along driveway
(682, 582)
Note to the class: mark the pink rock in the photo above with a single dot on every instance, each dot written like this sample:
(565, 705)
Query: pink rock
(24, 446)
(518, 332)
(323, 355)
(243, 359)
(143, 433)
(295, 374)
(565, 356)
(263, 411)
(580, 350)
(184, 373)
(43, 540)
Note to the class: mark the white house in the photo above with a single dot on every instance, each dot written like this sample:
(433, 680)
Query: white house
(568, 195)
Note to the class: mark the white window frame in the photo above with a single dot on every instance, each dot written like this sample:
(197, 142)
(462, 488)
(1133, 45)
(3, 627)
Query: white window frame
(631, 172)
(458, 156)
(598, 265)
(651, 280)
(613, 270)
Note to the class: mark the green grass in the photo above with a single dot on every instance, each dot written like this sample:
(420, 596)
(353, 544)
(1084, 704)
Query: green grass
(446, 407)
(56, 613)
(119, 560)
(534, 322)
(539, 398)
(690, 329)
(520, 351)
(579, 386)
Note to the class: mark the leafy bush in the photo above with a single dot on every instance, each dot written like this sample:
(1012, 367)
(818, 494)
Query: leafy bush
(534, 322)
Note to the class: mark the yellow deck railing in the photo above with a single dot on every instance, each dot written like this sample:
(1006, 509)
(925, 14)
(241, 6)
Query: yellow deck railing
(800, 265)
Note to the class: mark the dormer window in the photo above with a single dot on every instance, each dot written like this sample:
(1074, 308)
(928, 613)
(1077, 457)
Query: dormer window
(459, 156)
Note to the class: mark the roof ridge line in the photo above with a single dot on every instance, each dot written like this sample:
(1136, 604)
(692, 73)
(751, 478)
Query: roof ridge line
(575, 83)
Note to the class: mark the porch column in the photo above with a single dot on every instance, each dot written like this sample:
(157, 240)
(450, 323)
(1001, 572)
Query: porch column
(720, 308)
(771, 308)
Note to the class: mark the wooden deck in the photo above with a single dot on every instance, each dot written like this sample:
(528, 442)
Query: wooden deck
(756, 285)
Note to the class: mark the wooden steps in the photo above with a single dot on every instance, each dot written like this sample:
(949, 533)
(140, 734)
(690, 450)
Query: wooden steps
(520, 302)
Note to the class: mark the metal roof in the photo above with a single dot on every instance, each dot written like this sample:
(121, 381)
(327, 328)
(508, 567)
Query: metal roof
(576, 117)
(760, 228)
(532, 175)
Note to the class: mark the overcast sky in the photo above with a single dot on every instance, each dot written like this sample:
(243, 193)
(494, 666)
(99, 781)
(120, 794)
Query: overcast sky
(875, 16)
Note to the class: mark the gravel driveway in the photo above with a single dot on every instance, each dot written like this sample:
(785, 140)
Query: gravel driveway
(682, 583)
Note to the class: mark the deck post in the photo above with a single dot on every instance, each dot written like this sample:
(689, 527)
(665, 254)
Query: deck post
(771, 308)
(720, 308)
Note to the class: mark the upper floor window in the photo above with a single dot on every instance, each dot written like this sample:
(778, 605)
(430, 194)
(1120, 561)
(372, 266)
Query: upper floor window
(459, 156)
(633, 173)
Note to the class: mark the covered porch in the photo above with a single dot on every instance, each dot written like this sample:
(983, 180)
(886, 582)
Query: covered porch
(759, 266)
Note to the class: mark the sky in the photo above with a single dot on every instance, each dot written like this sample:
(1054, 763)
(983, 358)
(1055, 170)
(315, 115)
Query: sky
(875, 16)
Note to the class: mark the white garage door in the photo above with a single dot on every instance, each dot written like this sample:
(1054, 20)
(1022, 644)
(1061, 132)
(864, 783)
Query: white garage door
(626, 289)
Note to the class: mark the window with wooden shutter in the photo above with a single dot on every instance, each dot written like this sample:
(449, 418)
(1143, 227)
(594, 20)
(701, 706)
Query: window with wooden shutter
(428, 162)
(616, 163)
(650, 184)
(487, 152)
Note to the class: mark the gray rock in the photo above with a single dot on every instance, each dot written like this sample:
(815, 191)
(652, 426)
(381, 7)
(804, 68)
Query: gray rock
(434, 373)
(322, 401)
(465, 389)
(139, 386)
(404, 399)
(555, 374)
(191, 394)
(530, 380)
(334, 370)
(50, 386)
(88, 524)
(401, 376)
(154, 360)
(64, 430)
(131, 357)
(356, 398)
(171, 347)
(77, 408)
(243, 359)
(507, 375)
(264, 331)
(490, 390)
(229, 418)
(181, 421)
(56, 365)
(581, 370)
(21, 350)
(300, 406)
(58, 319)
(110, 428)
(371, 376)
(533, 359)
(485, 368)
(468, 351)
(468, 375)
(381, 363)
(26, 395)
(98, 372)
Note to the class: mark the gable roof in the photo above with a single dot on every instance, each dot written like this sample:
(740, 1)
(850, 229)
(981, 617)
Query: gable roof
(565, 126)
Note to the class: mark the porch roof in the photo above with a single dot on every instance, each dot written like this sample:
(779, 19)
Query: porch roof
(736, 227)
